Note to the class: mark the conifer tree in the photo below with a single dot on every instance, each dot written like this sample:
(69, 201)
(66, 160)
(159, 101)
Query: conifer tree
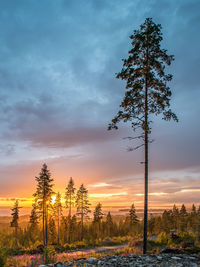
(183, 218)
(82, 204)
(42, 196)
(133, 219)
(147, 92)
(34, 220)
(70, 196)
(175, 214)
(58, 213)
(15, 219)
(52, 230)
(132, 215)
(109, 224)
(70, 202)
(98, 215)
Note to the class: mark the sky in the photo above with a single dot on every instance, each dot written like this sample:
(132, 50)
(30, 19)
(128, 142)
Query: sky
(59, 92)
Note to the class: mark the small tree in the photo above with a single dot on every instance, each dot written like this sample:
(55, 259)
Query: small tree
(109, 224)
(133, 219)
(147, 92)
(98, 215)
(82, 204)
(15, 219)
(42, 196)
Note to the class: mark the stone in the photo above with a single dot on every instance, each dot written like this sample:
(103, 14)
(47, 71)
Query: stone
(176, 258)
(91, 260)
(58, 264)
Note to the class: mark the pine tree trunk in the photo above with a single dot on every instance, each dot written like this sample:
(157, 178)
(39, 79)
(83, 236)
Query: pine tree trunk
(146, 195)
(82, 226)
(58, 227)
(15, 237)
(43, 231)
(46, 225)
(146, 142)
(70, 210)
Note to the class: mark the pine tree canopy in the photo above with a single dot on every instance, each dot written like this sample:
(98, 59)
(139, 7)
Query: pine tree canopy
(70, 194)
(98, 214)
(15, 214)
(145, 68)
(82, 202)
(44, 189)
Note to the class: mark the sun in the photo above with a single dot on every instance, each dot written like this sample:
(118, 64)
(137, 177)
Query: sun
(53, 199)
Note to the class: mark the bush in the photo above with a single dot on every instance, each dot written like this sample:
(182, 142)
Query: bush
(49, 254)
(163, 238)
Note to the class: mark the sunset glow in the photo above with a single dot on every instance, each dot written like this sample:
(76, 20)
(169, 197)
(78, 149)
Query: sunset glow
(58, 95)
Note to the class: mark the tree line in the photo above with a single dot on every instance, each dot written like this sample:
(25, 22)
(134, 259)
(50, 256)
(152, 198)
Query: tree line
(48, 225)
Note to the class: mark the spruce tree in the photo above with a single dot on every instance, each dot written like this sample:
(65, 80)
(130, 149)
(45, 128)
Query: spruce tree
(70, 196)
(175, 214)
(15, 219)
(98, 215)
(183, 218)
(147, 92)
(109, 225)
(133, 219)
(42, 196)
(82, 204)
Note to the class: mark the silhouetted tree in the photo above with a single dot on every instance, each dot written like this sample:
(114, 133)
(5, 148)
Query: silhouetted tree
(70, 202)
(133, 219)
(109, 225)
(42, 196)
(82, 204)
(15, 219)
(98, 215)
(146, 90)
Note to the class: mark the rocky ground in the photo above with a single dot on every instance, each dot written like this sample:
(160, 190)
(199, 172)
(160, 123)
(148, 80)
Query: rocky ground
(163, 260)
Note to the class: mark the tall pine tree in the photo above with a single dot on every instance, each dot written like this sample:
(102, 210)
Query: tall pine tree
(147, 92)
(70, 202)
(15, 220)
(82, 204)
(42, 196)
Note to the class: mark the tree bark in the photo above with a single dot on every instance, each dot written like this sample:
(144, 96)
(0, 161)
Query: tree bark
(43, 218)
(146, 142)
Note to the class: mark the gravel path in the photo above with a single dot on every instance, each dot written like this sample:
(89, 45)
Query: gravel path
(162, 260)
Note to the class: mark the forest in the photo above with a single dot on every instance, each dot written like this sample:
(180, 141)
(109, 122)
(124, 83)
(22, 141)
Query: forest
(48, 228)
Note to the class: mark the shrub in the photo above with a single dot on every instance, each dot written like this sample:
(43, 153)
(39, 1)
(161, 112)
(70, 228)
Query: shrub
(163, 238)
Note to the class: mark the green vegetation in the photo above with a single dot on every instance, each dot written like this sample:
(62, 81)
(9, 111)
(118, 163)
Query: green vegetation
(48, 233)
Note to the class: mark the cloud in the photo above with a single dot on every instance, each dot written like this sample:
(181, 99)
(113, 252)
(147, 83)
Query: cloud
(59, 92)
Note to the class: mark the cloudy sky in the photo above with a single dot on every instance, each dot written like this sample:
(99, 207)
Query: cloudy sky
(58, 92)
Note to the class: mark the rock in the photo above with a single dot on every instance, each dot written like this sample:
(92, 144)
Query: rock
(58, 264)
(176, 258)
(91, 260)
